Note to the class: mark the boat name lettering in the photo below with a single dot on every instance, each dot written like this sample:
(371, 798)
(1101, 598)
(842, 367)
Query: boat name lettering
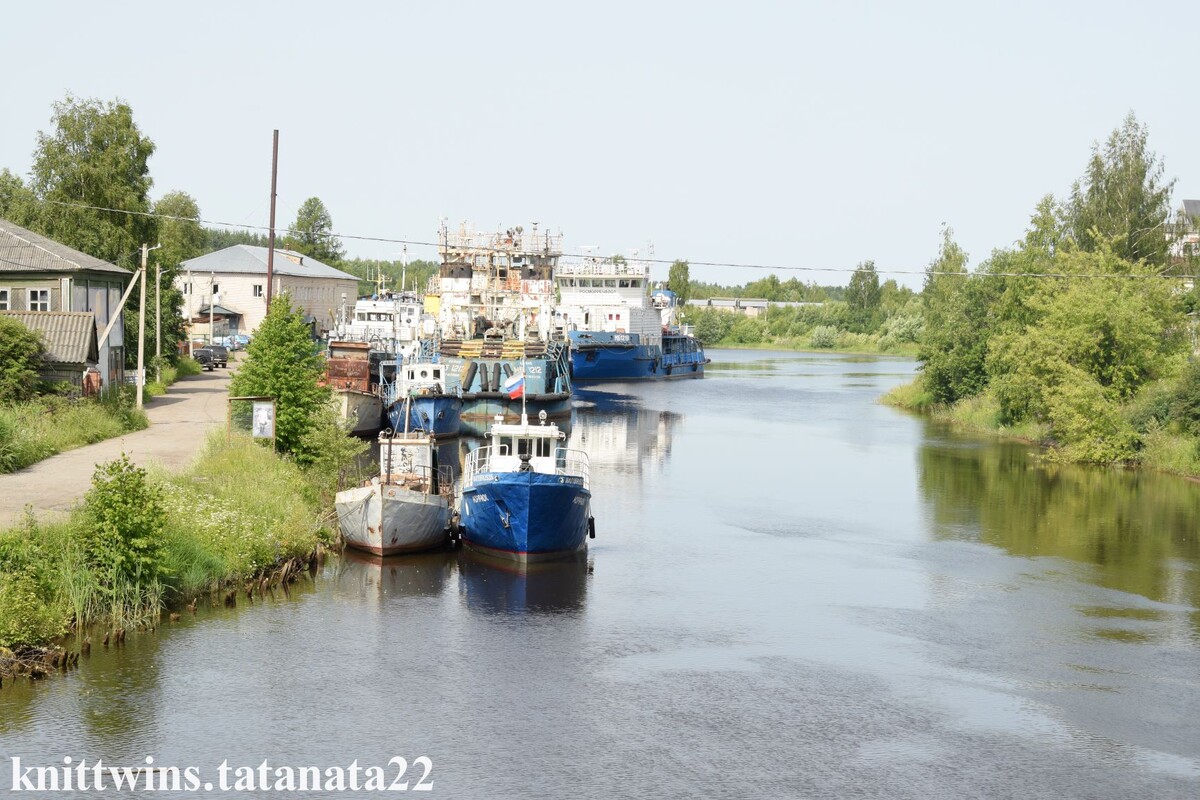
(481, 498)
(622, 338)
(579, 501)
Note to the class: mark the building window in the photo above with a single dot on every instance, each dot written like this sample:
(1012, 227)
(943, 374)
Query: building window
(187, 288)
(39, 299)
(215, 289)
(4, 304)
(258, 290)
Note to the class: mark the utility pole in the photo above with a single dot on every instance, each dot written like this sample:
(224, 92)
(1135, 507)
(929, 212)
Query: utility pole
(157, 321)
(212, 301)
(141, 375)
(191, 347)
(271, 235)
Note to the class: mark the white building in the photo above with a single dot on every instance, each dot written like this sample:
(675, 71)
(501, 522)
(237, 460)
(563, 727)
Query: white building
(234, 281)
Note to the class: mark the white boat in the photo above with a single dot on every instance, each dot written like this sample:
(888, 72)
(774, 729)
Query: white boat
(405, 509)
(388, 322)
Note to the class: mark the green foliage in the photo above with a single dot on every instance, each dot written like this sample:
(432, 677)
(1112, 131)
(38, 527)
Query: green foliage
(823, 336)
(94, 155)
(282, 362)
(219, 239)
(1185, 404)
(863, 297)
(17, 202)
(21, 353)
(954, 344)
(712, 325)
(181, 237)
(123, 543)
(746, 330)
(26, 616)
(30, 432)
(312, 233)
(1122, 200)
(679, 281)
(1087, 423)
(901, 329)
(188, 366)
(330, 453)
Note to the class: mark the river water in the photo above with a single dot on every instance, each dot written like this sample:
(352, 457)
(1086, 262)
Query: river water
(794, 592)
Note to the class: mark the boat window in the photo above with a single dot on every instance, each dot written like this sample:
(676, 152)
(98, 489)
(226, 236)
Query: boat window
(635, 283)
(437, 374)
(524, 447)
(543, 448)
(623, 283)
(505, 445)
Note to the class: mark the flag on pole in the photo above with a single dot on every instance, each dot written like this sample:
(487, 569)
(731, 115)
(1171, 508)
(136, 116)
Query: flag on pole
(514, 387)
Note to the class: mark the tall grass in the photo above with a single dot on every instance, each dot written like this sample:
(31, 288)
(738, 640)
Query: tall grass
(30, 432)
(236, 514)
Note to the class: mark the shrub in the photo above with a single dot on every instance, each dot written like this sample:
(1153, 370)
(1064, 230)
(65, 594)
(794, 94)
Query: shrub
(1185, 406)
(122, 545)
(21, 352)
(823, 336)
(1088, 424)
(188, 366)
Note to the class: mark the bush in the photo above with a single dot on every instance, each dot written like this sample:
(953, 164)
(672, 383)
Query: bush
(1185, 405)
(823, 336)
(123, 544)
(26, 617)
(21, 353)
(187, 367)
(1088, 424)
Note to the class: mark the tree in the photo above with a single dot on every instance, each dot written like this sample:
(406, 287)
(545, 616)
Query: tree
(21, 353)
(17, 203)
(181, 237)
(283, 363)
(863, 296)
(94, 156)
(952, 348)
(1122, 198)
(312, 233)
(679, 282)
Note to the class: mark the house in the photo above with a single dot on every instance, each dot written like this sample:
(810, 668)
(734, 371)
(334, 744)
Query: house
(234, 281)
(746, 306)
(70, 339)
(39, 274)
(1185, 233)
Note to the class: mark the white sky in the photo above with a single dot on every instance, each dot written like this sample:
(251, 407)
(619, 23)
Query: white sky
(793, 134)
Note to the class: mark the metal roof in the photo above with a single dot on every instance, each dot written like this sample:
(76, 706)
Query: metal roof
(1191, 208)
(249, 260)
(23, 250)
(70, 336)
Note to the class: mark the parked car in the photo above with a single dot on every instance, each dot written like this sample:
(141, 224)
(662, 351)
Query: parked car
(220, 355)
(204, 356)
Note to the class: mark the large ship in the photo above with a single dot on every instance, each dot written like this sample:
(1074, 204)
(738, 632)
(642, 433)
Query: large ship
(618, 328)
(493, 298)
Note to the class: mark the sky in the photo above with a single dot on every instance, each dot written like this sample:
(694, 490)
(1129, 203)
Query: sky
(802, 136)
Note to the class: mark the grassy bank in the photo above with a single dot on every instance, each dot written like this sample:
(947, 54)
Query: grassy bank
(142, 543)
(1158, 446)
(850, 344)
(40, 428)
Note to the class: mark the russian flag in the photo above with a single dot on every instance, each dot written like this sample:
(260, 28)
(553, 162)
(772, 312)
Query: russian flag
(514, 387)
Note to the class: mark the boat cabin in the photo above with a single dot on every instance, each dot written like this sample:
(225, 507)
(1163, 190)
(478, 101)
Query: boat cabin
(521, 447)
(409, 460)
(423, 375)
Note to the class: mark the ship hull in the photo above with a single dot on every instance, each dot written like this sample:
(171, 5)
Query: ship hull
(361, 411)
(601, 362)
(386, 519)
(438, 415)
(526, 516)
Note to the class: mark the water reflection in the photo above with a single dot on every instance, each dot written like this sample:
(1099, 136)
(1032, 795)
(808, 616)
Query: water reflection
(615, 430)
(1136, 530)
(391, 577)
(497, 586)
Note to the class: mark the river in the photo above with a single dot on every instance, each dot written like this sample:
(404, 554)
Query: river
(794, 592)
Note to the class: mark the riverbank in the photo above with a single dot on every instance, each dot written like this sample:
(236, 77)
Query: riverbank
(204, 531)
(177, 426)
(849, 348)
(1158, 446)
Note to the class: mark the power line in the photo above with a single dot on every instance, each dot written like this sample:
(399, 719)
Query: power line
(572, 257)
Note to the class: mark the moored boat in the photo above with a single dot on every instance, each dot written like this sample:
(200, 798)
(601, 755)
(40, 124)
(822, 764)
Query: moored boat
(347, 373)
(619, 331)
(407, 508)
(525, 496)
(419, 397)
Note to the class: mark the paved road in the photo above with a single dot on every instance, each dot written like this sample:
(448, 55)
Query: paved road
(179, 422)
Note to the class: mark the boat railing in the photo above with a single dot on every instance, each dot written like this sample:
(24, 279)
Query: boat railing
(420, 478)
(567, 463)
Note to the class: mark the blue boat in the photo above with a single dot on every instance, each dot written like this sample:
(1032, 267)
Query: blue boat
(525, 497)
(418, 398)
(619, 332)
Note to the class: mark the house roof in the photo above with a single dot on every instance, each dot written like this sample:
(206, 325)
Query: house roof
(1191, 208)
(250, 260)
(70, 336)
(218, 310)
(23, 250)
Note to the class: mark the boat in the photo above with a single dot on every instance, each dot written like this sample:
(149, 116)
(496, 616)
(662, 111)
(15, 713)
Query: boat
(417, 398)
(347, 373)
(406, 508)
(525, 496)
(493, 298)
(618, 329)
